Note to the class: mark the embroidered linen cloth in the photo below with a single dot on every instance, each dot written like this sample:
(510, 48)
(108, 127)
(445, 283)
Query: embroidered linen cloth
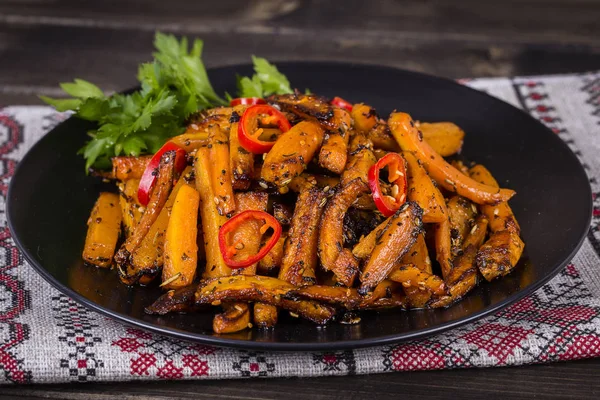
(47, 337)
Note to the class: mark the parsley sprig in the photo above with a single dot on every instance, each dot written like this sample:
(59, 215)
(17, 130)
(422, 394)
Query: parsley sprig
(173, 86)
(267, 80)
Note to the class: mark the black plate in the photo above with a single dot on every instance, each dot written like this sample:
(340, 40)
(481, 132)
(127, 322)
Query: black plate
(50, 198)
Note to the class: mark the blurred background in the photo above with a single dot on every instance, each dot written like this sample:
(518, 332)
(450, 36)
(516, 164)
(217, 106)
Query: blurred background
(43, 42)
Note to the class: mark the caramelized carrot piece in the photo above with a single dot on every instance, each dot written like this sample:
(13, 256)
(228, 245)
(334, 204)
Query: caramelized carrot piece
(181, 249)
(500, 216)
(220, 170)
(364, 117)
(191, 141)
(211, 219)
(248, 234)
(422, 191)
(411, 139)
(382, 138)
(265, 315)
(443, 246)
(331, 235)
(445, 138)
(418, 255)
(334, 152)
(131, 209)
(236, 317)
(393, 243)
(126, 167)
(410, 275)
(360, 159)
(463, 277)
(365, 246)
(104, 226)
(158, 198)
(242, 161)
(300, 253)
(148, 258)
(291, 153)
(273, 258)
(261, 289)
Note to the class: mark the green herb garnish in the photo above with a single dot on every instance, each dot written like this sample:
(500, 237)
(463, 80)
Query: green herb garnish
(174, 85)
(267, 80)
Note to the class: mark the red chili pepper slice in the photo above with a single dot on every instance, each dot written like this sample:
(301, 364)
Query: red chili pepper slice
(388, 204)
(228, 249)
(341, 103)
(249, 132)
(248, 101)
(149, 176)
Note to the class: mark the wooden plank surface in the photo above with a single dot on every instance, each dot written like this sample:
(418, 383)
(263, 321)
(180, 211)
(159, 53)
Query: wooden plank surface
(44, 42)
(574, 380)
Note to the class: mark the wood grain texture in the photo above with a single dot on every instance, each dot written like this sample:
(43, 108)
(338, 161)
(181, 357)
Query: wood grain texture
(574, 380)
(43, 43)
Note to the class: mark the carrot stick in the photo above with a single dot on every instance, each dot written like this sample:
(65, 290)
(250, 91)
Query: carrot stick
(411, 139)
(181, 249)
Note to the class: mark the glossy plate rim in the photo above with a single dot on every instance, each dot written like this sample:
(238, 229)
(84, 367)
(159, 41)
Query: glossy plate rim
(316, 346)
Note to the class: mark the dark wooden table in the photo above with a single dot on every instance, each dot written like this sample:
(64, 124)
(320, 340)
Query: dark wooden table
(43, 42)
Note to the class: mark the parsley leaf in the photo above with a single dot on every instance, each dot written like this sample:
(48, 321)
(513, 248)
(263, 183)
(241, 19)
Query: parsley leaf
(62, 104)
(267, 80)
(82, 89)
(249, 87)
(173, 86)
(273, 81)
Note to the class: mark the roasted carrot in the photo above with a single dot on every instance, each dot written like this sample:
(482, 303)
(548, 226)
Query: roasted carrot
(220, 171)
(422, 190)
(365, 246)
(181, 249)
(265, 315)
(443, 246)
(241, 162)
(463, 277)
(131, 209)
(211, 219)
(147, 259)
(364, 117)
(360, 159)
(445, 138)
(273, 259)
(261, 289)
(291, 153)
(300, 252)
(461, 215)
(248, 234)
(391, 245)
(382, 138)
(331, 235)
(411, 139)
(418, 255)
(104, 226)
(234, 318)
(500, 254)
(191, 141)
(306, 181)
(410, 275)
(501, 216)
(126, 167)
(159, 196)
(334, 152)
